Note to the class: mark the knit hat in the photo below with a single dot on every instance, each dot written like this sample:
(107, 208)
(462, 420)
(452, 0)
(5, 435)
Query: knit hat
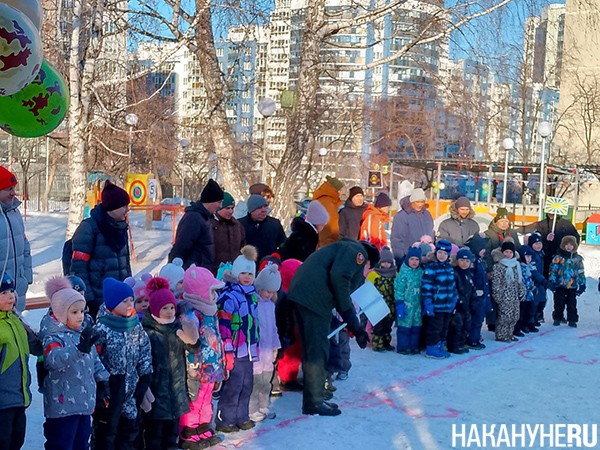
(462, 202)
(413, 252)
(464, 253)
(199, 281)
(211, 193)
(382, 200)
(533, 238)
(316, 213)
(288, 270)
(372, 252)
(159, 295)
(443, 245)
(569, 240)
(62, 295)
(227, 201)
(525, 250)
(114, 292)
(258, 188)
(355, 190)
(7, 284)
(502, 213)
(7, 178)
(386, 256)
(334, 182)
(425, 248)
(508, 245)
(478, 242)
(113, 197)
(139, 286)
(254, 202)
(77, 283)
(173, 272)
(268, 279)
(274, 258)
(417, 195)
(246, 262)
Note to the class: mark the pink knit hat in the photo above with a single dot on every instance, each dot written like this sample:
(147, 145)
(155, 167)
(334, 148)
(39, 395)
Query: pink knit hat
(200, 282)
(139, 286)
(159, 295)
(62, 295)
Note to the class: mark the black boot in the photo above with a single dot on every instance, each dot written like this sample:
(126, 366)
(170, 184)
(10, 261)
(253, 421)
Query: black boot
(321, 410)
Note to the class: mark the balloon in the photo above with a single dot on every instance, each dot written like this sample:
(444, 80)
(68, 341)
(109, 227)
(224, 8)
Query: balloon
(434, 183)
(436, 190)
(20, 50)
(39, 108)
(442, 186)
(31, 8)
(484, 186)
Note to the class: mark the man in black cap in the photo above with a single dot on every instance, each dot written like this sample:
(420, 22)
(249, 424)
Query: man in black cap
(324, 282)
(194, 242)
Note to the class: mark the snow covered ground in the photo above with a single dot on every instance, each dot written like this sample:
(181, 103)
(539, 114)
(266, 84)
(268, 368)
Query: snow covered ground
(394, 401)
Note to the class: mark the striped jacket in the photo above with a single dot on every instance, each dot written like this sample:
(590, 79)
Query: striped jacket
(438, 287)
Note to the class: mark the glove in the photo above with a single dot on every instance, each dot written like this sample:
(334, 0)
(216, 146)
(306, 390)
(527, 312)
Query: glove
(362, 338)
(229, 359)
(85, 341)
(142, 386)
(400, 310)
(581, 289)
(428, 309)
(102, 395)
(147, 401)
(189, 331)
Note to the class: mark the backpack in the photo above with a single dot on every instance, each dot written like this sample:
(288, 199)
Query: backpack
(67, 251)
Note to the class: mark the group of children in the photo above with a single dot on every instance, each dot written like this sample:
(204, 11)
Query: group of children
(440, 294)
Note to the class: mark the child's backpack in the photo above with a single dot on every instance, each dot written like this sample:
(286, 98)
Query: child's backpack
(67, 251)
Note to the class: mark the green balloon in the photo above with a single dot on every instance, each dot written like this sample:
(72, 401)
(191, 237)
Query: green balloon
(37, 109)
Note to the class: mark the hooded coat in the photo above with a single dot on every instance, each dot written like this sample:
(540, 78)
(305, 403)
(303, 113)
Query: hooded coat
(408, 227)
(372, 229)
(229, 237)
(497, 237)
(70, 387)
(100, 250)
(15, 250)
(438, 286)
(407, 289)
(329, 197)
(456, 229)
(351, 219)
(302, 242)
(503, 292)
(194, 241)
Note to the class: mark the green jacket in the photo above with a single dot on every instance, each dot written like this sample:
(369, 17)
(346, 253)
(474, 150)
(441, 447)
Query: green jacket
(14, 356)
(328, 277)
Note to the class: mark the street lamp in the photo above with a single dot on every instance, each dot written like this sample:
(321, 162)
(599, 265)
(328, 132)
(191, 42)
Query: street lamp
(132, 120)
(544, 129)
(322, 153)
(184, 143)
(266, 107)
(508, 145)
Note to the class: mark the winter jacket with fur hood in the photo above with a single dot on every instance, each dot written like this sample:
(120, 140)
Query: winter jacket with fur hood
(302, 242)
(408, 227)
(438, 286)
(567, 269)
(350, 220)
(229, 237)
(456, 229)
(497, 237)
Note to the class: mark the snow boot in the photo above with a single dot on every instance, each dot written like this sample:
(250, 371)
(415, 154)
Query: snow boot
(195, 445)
(434, 352)
(556, 323)
(322, 410)
(443, 349)
(573, 324)
(477, 346)
(247, 425)
(341, 376)
(519, 334)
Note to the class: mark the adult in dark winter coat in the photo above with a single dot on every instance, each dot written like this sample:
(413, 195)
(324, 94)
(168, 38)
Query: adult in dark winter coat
(351, 215)
(410, 224)
(262, 231)
(100, 247)
(552, 240)
(324, 282)
(305, 233)
(228, 234)
(460, 226)
(194, 242)
(15, 254)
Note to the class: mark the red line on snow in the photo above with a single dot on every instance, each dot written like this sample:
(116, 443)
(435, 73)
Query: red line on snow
(563, 358)
(589, 335)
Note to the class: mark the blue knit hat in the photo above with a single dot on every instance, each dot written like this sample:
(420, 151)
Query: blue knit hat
(413, 252)
(478, 242)
(77, 283)
(7, 284)
(443, 245)
(255, 201)
(464, 253)
(525, 250)
(115, 292)
(533, 238)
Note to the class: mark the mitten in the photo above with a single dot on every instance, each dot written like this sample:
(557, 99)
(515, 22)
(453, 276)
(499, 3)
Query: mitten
(581, 289)
(229, 359)
(428, 309)
(142, 386)
(362, 338)
(189, 332)
(102, 395)
(85, 340)
(400, 310)
(147, 401)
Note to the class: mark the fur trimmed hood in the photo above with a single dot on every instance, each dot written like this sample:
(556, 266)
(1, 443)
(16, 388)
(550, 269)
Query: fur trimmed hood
(454, 212)
(569, 240)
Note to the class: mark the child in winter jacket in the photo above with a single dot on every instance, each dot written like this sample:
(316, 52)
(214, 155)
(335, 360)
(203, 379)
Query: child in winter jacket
(566, 271)
(74, 369)
(372, 228)
(482, 302)
(238, 323)
(407, 292)
(174, 274)
(540, 281)
(508, 289)
(267, 285)
(140, 294)
(207, 368)
(384, 277)
(124, 349)
(438, 293)
(170, 339)
(460, 322)
(16, 340)
(526, 323)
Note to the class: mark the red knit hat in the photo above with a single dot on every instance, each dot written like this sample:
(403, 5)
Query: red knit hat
(113, 197)
(7, 178)
(159, 295)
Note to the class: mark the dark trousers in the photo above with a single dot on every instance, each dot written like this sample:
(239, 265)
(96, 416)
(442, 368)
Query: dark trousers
(436, 328)
(235, 394)
(477, 315)
(382, 332)
(458, 328)
(339, 351)
(160, 434)
(565, 297)
(407, 338)
(526, 316)
(539, 310)
(68, 433)
(114, 432)
(313, 330)
(491, 316)
(13, 422)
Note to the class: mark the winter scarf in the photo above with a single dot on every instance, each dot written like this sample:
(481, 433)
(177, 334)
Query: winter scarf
(206, 307)
(120, 324)
(509, 275)
(389, 273)
(115, 233)
(162, 321)
(14, 352)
